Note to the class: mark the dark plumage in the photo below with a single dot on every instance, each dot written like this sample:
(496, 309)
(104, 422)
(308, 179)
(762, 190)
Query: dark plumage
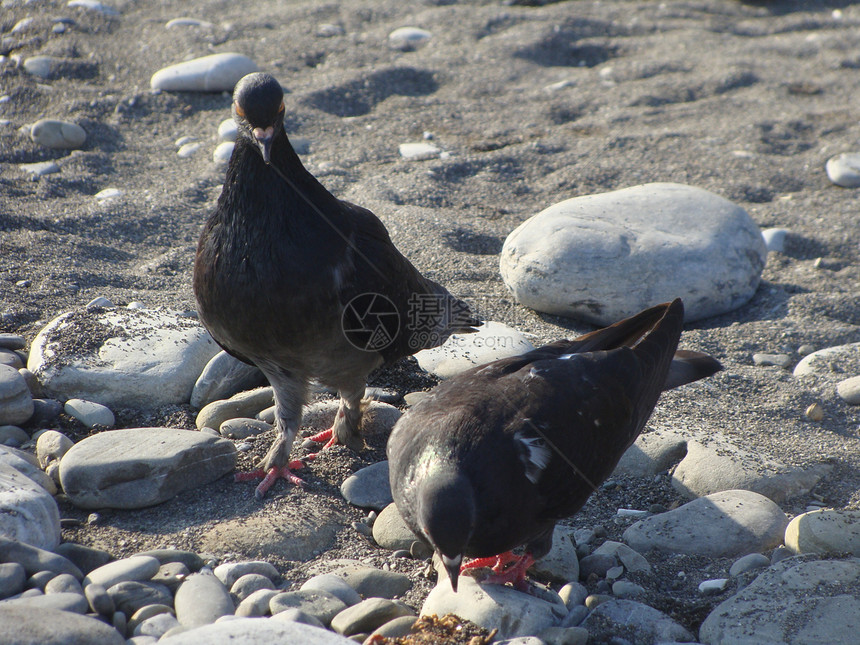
(495, 456)
(277, 265)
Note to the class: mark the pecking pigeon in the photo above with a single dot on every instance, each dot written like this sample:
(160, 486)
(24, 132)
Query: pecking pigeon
(496, 455)
(304, 285)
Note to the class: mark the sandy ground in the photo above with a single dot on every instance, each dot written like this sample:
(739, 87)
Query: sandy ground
(747, 100)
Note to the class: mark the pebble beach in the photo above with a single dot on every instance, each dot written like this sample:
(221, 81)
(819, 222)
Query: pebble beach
(557, 165)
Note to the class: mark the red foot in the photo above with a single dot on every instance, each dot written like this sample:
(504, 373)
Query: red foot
(515, 574)
(327, 436)
(270, 477)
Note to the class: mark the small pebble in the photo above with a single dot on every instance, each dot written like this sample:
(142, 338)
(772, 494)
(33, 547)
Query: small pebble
(188, 150)
(844, 169)
(748, 562)
(715, 586)
(849, 390)
(40, 169)
(108, 194)
(779, 360)
(223, 152)
(101, 301)
(814, 412)
(774, 239)
(89, 413)
(418, 151)
(227, 130)
(328, 30)
(213, 73)
(187, 22)
(41, 66)
(408, 38)
(52, 133)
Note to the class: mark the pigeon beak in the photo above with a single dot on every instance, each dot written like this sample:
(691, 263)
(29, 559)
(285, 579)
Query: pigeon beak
(452, 566)
(264, 138)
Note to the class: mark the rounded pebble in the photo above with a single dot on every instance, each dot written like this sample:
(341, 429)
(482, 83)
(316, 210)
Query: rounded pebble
(89, 413)
(408, 38)
(844, 169)
(223, 152)
(849, 390)
(52, 133)
(213, 73)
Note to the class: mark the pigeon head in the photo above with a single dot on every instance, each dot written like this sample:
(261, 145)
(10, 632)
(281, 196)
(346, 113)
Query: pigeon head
(258, 109)
(446, 516)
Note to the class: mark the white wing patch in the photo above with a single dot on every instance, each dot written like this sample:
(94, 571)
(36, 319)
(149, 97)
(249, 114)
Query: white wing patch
(535, 457)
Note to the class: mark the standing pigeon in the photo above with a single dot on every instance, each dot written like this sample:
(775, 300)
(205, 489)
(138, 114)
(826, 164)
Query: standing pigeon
(304, 285)
(495, 456)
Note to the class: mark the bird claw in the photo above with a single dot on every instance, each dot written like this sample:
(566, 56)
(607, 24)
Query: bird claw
(327, 436)
(271, 476)
(502, 573)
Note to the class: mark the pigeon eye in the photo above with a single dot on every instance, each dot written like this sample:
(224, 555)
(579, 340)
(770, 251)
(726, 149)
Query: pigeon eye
(281, 109)
(239, 110)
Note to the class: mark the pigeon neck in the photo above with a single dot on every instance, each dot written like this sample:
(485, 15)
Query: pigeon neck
(446, 511)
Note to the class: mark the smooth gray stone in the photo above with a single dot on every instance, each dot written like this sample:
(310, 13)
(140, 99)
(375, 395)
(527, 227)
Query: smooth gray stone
(27, 464)
(828, 531)
(39, 580)
(719, 465)
(229, 572)
(368, 487)
(28, 626)
(16, 402)
(241, 405)
(145, 358)
(141, 467)
(575, 616)
(165, 556)
(12, 579)
(171, 575)
(244, 428)
(213, 73)
(13, 436)
(12, 359)
(41, 66)
(64, 583)
(561, 564)
(45, 411)
(512, 612)
(223, 377)
(72, 602)
(51, 446)
(12, 341)
(844, 169)
(322, 605)
(615, 617)
(34, 559)
(370, 582)
(40, 168)
(130, 596)
(723, 524)
(254, 630)
(597, 564)
(813, 601)
(28, 513)
(576, 257)
(395, 628)
(100, 600)
(749, 562)
(651, 454)
(367, 616)
(573, 593)
(334, 585)
(85, 558)
(257, 604)
(202, 599)
(564, 636)
(632, 560)
(136, 567)
(774, 238)
(53, 133)
(155, 626)
(298, 616)
(89, 413)
(390, 531)
(248, 584)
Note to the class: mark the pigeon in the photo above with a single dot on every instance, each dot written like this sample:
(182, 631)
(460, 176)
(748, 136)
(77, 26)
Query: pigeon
(492, 458)
(306, 286)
